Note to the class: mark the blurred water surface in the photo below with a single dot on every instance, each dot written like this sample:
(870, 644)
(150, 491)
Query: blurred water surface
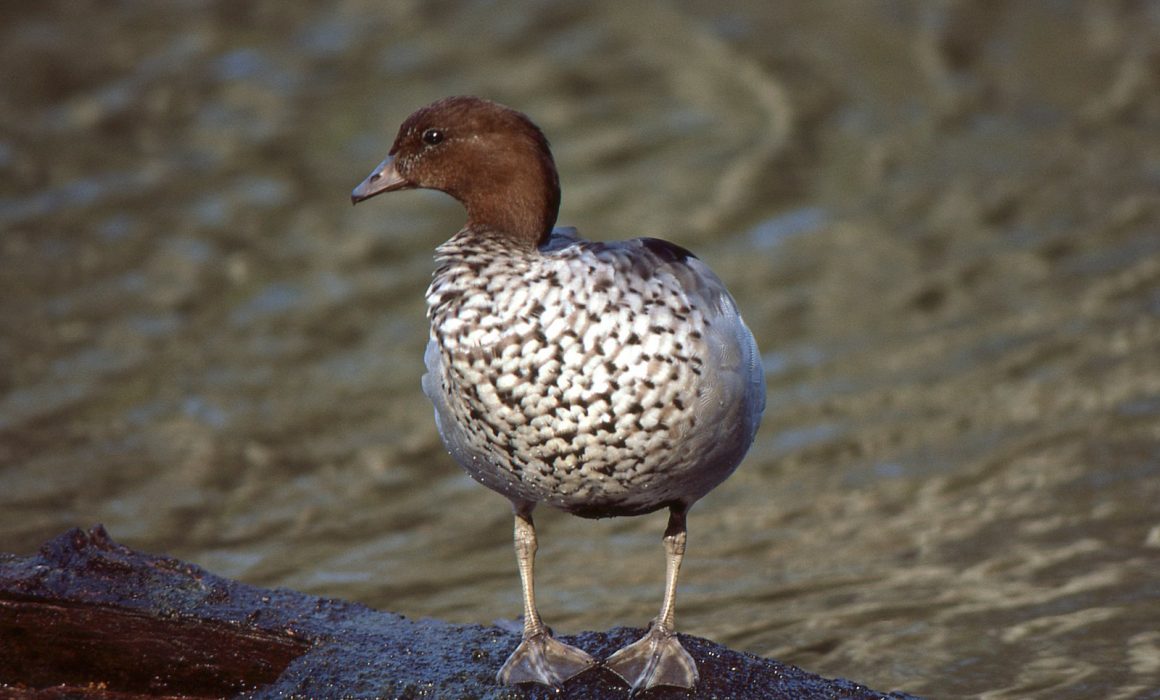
(940, 219)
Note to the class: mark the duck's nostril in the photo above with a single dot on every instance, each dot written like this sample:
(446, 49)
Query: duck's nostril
(376, 176)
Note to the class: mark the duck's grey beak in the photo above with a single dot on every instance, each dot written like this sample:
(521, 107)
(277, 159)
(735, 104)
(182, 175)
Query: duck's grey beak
(384, 178)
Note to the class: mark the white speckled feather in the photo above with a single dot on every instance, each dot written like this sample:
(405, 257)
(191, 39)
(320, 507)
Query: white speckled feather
(601, 378)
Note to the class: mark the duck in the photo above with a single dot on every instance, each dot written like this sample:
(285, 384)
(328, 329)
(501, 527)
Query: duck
(602, 378)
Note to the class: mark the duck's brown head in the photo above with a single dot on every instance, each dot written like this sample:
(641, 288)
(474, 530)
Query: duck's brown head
(491, 158)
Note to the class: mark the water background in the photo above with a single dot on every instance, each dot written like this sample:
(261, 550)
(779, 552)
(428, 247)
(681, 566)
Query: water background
(939, 218)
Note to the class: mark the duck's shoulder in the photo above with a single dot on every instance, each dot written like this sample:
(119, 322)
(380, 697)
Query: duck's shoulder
(644, 259)
(645, 249)
(560, 238)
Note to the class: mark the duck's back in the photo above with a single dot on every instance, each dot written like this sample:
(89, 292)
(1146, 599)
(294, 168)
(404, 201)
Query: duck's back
(603, 379)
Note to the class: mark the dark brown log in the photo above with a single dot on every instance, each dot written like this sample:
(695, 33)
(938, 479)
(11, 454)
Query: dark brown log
(52, 643)
(89, 618)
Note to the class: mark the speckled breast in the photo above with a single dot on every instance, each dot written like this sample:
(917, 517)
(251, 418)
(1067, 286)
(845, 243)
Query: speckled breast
(599, 378)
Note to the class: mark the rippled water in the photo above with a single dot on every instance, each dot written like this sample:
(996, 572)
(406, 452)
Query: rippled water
(940, 219)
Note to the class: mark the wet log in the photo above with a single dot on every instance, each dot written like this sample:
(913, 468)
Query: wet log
(89, 618)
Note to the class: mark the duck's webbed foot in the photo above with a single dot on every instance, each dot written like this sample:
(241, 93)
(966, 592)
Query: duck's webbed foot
(655, 659)
(541, 659)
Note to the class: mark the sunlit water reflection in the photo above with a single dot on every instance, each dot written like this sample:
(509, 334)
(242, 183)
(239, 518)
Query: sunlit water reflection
(939, 219)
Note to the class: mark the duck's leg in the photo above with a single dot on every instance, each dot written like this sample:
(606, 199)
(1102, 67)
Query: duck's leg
(539, 658)
(658, 658)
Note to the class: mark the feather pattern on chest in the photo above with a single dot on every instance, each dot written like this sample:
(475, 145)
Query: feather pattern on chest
(604, 379)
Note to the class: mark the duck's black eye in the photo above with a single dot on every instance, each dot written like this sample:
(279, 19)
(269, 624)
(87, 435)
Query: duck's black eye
(433, 136)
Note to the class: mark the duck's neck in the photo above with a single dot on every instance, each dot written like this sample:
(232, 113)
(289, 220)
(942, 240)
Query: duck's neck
(520, 202)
